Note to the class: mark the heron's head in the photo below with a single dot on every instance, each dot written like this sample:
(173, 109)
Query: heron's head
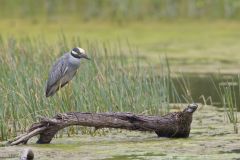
(79, 53)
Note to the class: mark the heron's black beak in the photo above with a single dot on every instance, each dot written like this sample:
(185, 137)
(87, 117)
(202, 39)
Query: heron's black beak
(85, 56)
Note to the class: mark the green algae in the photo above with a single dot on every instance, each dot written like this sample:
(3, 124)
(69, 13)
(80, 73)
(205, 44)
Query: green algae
(211, 138)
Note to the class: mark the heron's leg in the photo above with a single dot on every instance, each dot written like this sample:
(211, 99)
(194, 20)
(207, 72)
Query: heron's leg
(69, 97)
(60, 100)
(69, 102)
(69, 89)
(66, 99)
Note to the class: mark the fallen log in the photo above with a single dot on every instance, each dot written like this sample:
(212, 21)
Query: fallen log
(176, 124)
(27, 154)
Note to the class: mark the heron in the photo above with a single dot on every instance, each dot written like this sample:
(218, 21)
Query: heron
(64, 69)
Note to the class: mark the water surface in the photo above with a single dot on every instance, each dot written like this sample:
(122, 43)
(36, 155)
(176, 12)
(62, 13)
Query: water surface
(211, 138)
(202, 86)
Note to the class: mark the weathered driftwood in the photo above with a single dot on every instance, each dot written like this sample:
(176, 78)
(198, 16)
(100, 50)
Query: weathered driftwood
(176, 124)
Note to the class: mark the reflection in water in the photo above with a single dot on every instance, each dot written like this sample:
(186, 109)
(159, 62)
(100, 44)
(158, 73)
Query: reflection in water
(202, 87)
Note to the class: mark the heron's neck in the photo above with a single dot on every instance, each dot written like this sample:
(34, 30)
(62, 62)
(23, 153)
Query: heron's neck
(73, 60)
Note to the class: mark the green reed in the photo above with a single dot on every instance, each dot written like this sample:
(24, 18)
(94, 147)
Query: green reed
(120, 11)
(227, 93)
(117, 79)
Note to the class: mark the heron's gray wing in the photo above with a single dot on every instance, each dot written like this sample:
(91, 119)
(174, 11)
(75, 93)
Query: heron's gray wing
(58, 70)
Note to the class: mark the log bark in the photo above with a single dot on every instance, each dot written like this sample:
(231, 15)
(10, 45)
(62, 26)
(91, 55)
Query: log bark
(27, 154)
(176, 124)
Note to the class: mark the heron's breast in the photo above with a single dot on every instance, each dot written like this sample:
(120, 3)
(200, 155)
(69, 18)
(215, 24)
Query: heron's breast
(68, 76)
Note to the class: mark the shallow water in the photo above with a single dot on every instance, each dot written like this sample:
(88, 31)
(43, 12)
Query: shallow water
(200, 85)
(211, 138)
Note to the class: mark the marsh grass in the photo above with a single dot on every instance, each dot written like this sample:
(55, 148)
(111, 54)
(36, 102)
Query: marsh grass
(116, 80)
(184, 85)
(227, 93)
(120, 11)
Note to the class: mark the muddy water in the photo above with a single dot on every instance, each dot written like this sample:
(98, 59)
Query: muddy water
(211, 138)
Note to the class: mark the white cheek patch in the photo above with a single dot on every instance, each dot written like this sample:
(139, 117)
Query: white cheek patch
(75, 53)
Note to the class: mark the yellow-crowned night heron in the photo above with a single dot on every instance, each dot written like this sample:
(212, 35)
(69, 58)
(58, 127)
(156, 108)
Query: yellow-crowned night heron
(64, 70)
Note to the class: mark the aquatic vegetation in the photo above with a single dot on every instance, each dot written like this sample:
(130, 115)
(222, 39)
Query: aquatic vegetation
(116, 79)
(229, 103)
(210, 134)
(227, 93)
(120, 11)
(184, 85)
(205, 100)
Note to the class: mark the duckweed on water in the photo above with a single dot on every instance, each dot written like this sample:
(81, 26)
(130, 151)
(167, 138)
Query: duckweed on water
(215, 143)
